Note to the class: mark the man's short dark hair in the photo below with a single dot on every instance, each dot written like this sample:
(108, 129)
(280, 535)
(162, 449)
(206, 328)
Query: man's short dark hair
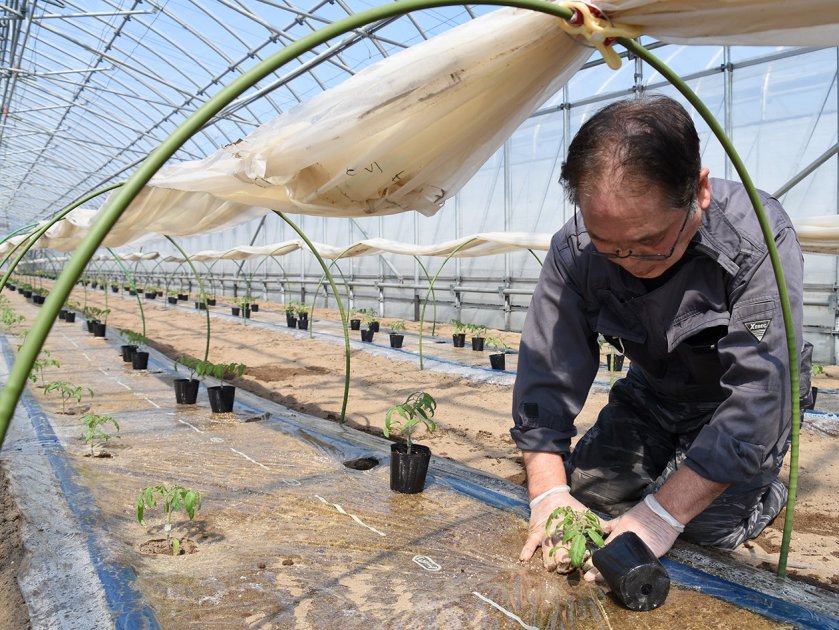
(651, 140)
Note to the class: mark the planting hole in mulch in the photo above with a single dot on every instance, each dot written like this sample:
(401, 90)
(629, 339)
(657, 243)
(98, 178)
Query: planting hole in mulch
(362, 463)
(163, 547)
(100, 455)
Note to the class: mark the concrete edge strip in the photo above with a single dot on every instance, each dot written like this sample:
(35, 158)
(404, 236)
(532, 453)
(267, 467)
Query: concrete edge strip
(128, 607)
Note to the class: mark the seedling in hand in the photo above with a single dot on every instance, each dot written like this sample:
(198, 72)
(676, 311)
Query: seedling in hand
(174, 498)
(95, 433)
(575, 531)
(418, 408)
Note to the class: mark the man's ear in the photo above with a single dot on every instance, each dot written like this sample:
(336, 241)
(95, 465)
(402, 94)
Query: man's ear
(703, 188)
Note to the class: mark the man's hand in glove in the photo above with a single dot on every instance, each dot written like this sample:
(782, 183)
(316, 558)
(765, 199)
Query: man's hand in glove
(656, 531)
(540, 509)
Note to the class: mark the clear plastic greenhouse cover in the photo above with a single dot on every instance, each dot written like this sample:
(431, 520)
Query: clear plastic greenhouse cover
(408, 132)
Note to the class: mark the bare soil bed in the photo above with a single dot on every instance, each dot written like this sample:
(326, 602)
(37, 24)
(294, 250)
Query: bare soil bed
(474, 418)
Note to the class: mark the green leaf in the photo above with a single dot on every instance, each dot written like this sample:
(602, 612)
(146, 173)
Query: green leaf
(595, 537)
(176, 546)
(577, 550)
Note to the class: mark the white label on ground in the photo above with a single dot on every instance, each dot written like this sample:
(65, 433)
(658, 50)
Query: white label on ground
(119, 382)
(87, 357)
(352, 516)
(217, 440)
(291, 482)
(427, 563)
(512, 616)
(193, 427)
(250, 459)
(152, 402)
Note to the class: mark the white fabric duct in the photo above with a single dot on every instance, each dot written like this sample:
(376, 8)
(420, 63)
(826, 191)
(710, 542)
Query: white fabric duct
(818, 235)
(407, 132)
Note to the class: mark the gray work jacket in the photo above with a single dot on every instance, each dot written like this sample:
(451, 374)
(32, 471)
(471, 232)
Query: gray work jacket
(713, 333)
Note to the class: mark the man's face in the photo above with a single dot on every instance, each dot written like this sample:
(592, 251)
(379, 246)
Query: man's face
(641, 222)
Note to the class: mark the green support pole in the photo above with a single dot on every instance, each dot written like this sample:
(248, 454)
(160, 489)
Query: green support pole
(792, 345)
(133, 284)
(202, 292)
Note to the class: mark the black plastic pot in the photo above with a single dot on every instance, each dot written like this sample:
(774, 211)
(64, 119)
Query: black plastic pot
(355, 324)
(186, 391)
(201, 306)
(374, 326)
(38, 299)
(408, 471)
(614, 362)
(367, 335)
(128, 352)
(132, 292)
(247, 313)
(70, 317)
(633, 572)
(396, 340)
(459, 340)
(183, 297)
(62, 314)
(290, 321)
(211, 301)
(303, 324)
(478, 344)
(234, 310)
(498, 361)
(172, 299)
(114, 289)
(255, 308)
(221, 398)
(98, 329)
(27, 294)
(140, 360)
(150, 295)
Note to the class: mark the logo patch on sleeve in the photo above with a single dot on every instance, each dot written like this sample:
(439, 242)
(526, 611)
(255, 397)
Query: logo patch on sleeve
(758, 328)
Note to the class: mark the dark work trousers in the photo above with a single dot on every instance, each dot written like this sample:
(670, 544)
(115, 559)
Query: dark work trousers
(638, 441)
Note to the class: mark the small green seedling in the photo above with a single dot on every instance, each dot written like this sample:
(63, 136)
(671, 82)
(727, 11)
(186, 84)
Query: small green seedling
(459, 326)
(817, 369)
(10, 318)
(44, 360)
(477, 330)
(68, 391)
(497, 344)
(397, 327)
(94, 430)
(134, 338)
(418, 407)
(576, 531)
(174, 498)
(189, 363)
(221, 371)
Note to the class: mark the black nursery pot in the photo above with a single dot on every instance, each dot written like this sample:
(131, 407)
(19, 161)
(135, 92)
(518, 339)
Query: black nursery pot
(459, 340)
(396, 340)
(374, 326)
(186, 391)
(303, 323)
(247, 313)
(183, 297)
(497, 361)
(62, 314)
(367, 335)
(140, 360)
(69, 317)
(99, 329)
(290, 321)
(128, 352)
(408, 471)
(211, 301)
(221, 398)
(38, 299)
(255, 308)
(150, 295)
(27, 294)
(172, 299)
(234, 310)
(614, 362)
(355, 324)
(114, 289)
(633, 572)
(478, 344)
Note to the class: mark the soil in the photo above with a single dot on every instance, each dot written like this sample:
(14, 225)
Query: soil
(163, 547)
(307, 375)
(13, 612)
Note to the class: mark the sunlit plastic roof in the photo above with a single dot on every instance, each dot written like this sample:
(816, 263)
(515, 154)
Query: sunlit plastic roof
(89, 88)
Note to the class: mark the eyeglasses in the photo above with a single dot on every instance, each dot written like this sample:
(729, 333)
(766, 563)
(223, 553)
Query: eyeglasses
(629, 253)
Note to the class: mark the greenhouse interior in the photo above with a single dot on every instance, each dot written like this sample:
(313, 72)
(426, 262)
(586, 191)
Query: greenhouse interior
(336, 314)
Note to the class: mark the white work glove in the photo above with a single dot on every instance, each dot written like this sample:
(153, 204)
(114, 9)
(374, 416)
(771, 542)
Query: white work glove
(658, 532)
(540, 509)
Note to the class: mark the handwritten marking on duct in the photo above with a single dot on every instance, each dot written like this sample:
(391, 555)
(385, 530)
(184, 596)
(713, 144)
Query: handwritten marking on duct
(512, 616)
(352, 516)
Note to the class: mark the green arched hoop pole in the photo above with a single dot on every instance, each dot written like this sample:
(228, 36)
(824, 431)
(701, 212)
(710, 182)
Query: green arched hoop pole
(130, 277)
(341, 310)
(431, 289)
(202, 293)
(780, 280)
(320, 282)
(30, 242)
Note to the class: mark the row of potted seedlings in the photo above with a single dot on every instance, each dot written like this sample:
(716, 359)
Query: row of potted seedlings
(479, 340)
(221, 396)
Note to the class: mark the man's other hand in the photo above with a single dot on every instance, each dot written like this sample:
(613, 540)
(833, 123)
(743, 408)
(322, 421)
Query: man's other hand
(537, 536)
